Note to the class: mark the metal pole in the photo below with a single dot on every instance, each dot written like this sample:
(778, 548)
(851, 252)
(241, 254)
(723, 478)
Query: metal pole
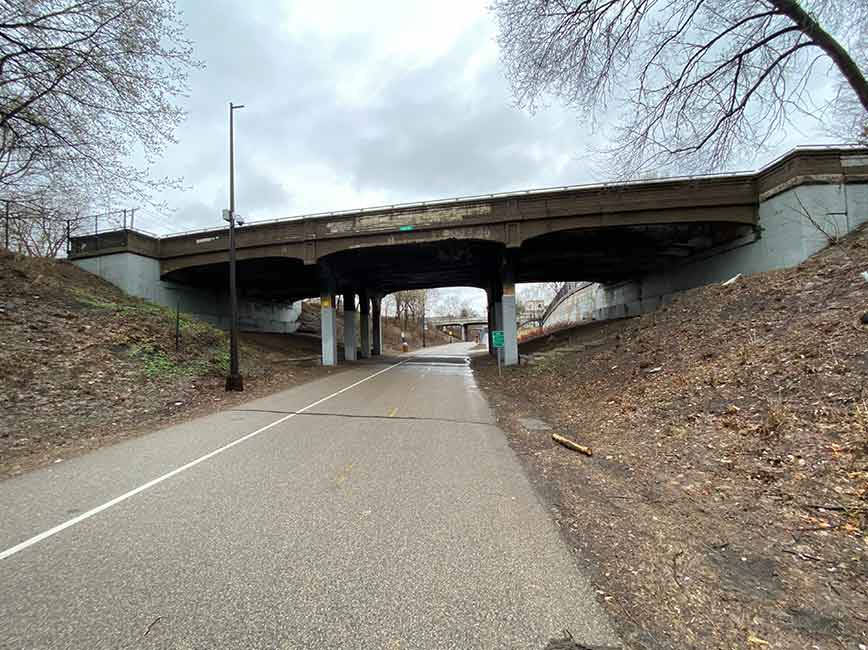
(233, 380)
(178, 325)
(125, 219)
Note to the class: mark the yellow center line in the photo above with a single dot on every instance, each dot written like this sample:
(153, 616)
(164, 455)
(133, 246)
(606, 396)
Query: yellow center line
(393, 411)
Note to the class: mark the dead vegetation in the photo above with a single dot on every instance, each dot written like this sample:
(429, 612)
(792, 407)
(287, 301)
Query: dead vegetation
(83, 365)
(726, 503)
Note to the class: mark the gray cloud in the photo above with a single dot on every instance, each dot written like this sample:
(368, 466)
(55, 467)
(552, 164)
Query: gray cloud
(332, 124)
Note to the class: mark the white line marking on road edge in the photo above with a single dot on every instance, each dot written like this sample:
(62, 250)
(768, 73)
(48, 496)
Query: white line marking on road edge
(108, 504)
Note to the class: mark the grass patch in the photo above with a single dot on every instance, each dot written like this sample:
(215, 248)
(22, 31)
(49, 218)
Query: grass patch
(88, 299)
(158, 363)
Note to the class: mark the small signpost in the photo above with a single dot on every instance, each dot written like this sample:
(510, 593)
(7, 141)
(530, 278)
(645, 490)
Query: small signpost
(497, 342)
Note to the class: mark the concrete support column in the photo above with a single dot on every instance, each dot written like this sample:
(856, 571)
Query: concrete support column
(464, 333)
(364, 325)
(497, 310)
(328, 320)
(489, 313)
(350, 326)
(507, 313)
(376, 325)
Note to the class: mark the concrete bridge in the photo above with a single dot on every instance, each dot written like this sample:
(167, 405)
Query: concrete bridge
(464, 323)
(605, 233)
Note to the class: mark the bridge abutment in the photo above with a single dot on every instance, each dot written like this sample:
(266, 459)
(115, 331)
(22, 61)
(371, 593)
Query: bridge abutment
(793, 225)
(139, 275)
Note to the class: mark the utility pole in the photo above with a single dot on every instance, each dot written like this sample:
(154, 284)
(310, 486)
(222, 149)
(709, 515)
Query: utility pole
(233, 379)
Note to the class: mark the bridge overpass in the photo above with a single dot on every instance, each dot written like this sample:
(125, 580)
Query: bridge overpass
(464, 323)
(603, 233)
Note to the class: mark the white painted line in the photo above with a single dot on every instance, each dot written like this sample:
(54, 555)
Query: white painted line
(108, 504)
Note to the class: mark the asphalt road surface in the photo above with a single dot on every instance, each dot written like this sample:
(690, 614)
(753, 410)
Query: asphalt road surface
(388, 513)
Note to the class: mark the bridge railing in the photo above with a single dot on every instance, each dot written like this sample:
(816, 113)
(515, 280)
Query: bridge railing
(101, 227)
(515, 193)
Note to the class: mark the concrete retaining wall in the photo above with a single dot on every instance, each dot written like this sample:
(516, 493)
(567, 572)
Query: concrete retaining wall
(785, 238)
(139, 276)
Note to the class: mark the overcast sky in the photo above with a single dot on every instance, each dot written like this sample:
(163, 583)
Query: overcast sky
(353, 104)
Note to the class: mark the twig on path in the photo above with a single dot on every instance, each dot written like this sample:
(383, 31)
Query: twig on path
(153, 623)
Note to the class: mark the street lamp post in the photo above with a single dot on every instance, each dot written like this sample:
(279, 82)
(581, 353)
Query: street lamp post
(233, 379)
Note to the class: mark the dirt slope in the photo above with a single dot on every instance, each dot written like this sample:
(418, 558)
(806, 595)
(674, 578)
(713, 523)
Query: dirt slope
(726, 503)
(82, 364)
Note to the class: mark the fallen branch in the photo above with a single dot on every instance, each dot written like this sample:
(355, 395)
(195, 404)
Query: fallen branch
(566, 442)
(804, 556)
(675, 568)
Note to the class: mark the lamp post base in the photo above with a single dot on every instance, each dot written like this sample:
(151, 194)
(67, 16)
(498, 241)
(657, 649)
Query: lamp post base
(234, 382)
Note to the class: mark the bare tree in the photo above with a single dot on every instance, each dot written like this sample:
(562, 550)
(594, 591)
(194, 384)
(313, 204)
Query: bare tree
(849, 119)
(697, 80)
(85, 85)
(410, 305)
(37, 222)
(467, 310)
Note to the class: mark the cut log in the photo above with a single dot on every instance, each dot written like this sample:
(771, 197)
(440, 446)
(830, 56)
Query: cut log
(566, 442)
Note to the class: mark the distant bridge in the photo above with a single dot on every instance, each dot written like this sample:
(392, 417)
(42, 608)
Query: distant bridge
(465, 324)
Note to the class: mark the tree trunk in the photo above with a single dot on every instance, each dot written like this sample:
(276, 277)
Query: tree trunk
(811, 28)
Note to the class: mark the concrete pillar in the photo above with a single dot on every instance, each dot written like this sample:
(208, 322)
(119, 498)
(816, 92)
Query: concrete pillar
(507, 314)
(376, 325)
(364, 325)
(464, 333)
(489, 312)
(328, 320)
(496, 310)
(350, 326)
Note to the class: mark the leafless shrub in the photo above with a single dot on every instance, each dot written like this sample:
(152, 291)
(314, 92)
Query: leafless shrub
(778, 417)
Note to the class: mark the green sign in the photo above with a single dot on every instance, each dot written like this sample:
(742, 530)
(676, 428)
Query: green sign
(497, 338)
(405, 228)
